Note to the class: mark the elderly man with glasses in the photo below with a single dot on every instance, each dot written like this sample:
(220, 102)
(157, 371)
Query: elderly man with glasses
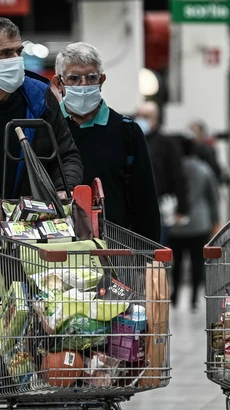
(112, 146)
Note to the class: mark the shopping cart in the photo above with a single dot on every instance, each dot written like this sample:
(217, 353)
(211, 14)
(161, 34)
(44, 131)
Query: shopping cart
(83, 324)
(51, 361)
(217, 255)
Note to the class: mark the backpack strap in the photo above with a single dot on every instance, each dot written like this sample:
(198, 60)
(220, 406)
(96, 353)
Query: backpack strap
(130, 138)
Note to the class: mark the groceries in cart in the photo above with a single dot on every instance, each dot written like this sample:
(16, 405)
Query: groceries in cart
(77, 321)
(36, 221)
(219, 334)
(66, 336)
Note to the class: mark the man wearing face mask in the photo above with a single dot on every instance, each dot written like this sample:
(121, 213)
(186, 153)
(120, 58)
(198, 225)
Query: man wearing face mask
(100, 135)
(166, 161)
(25, 95)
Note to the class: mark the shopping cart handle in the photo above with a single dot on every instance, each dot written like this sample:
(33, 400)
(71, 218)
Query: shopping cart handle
(212, 252)
(53, 256)
(33, 123)
(98, 192)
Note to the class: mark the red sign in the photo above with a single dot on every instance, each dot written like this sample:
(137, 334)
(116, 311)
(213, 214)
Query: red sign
(14, 7)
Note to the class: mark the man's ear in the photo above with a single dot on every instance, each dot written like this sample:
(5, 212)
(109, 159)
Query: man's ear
(57, 83)
(103, 78)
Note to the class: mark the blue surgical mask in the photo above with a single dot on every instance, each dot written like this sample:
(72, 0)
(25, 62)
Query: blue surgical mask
(82, 100)
(12, 74)
(144, 124)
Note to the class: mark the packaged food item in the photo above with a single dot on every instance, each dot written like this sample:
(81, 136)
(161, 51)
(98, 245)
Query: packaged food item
(61, 368)
(217, 335)
(82, 278)
(227, 355)
(61, 307)
(111, 289)
(13, 314)
(130, 349)
(22, 231)
(100, 369)
(21, 366)
(29, 210)
(8, 209)
(132, 322)
(57, 230)
(81, 332)
(225, 304)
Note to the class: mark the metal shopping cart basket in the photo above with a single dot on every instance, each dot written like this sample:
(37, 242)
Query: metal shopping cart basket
(83, 330)
(83, 324)
(217, 264)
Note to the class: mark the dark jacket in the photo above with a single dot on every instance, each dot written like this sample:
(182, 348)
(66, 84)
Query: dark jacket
(207, 153)
(167, 165)
(41, 103)
(103, 150)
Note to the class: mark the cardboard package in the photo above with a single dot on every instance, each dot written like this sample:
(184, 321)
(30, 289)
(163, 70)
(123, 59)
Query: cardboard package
(21, 231)
(57, 230)
(157, 313)
(29, 209)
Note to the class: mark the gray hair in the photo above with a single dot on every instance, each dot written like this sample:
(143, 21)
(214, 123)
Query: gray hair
(80, 54)
(9, 28)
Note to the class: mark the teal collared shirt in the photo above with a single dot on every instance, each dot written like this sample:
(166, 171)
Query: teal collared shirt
(101, 118)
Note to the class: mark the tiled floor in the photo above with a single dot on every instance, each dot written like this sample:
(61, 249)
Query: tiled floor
(189, 388)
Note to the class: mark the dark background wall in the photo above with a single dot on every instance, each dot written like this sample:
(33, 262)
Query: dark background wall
(156, 4)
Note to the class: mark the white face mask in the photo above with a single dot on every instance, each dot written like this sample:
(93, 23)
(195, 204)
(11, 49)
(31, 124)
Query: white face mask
(11, 74)
(83, 99)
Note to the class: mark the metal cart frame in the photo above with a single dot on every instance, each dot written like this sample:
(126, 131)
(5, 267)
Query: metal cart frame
(128, 254)
(217, 281)
(126, 261)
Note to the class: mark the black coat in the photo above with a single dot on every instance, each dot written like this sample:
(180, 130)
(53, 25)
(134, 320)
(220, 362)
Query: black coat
(103, 150)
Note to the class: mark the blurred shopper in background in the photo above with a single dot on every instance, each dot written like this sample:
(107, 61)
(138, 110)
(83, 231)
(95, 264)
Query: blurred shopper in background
(25, 95)
(167, 165)
(112, 146)
(205, 147)
(203, 219)
(200, 132)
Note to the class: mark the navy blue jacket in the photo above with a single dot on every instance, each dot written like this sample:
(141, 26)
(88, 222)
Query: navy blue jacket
(41, 103)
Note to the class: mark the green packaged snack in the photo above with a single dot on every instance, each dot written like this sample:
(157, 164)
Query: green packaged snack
(81, 332)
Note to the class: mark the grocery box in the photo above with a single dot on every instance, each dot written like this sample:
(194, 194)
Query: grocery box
(125, 348)
(131, 323)
(57, 230)
(31, 210)
(13, 315)
(22, 231)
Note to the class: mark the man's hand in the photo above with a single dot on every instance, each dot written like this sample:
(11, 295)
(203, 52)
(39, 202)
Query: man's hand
(62, 194)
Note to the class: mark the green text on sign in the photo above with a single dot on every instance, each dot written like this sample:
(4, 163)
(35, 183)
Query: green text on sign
(203, 11)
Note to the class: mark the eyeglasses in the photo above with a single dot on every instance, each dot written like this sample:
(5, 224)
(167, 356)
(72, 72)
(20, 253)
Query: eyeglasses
(75, 79)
